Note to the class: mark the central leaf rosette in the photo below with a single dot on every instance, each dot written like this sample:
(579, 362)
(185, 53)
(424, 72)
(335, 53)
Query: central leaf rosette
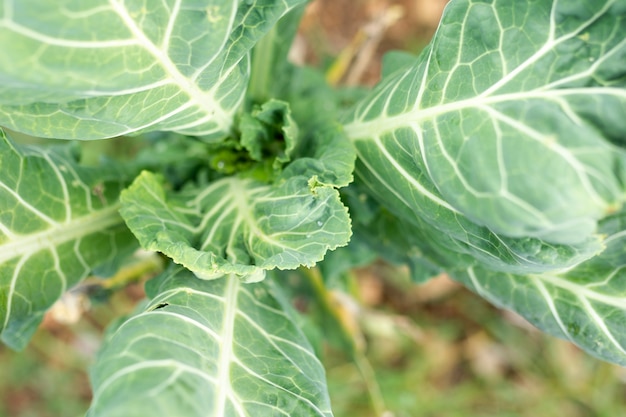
(281, 211)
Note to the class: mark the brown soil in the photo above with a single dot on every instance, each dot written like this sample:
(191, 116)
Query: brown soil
(331, 26)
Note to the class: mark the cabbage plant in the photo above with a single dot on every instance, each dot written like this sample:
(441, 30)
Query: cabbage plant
(496, 156)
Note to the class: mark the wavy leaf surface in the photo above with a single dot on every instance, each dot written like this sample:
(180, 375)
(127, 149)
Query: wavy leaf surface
(58, 221)
(492, 143)
(89, 70)
(209, 348)
(237, 226)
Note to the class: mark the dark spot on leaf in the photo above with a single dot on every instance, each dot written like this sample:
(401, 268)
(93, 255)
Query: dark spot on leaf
(161, 305)
(573, 329)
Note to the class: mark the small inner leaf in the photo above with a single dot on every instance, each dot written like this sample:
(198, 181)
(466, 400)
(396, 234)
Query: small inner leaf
(237, 225)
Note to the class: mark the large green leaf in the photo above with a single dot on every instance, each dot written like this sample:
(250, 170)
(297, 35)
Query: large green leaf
(504, 128)
(415, 199)
(58, 221)
(586, 304)
(93, 69)
(216, 348)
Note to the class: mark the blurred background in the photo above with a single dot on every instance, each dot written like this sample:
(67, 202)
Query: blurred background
(433, 350)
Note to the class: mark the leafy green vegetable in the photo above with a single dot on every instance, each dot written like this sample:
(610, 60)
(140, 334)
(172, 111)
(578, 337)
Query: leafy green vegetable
(239, 225)
(91, 70)
(480, 138)
(58, 222)
(209, 348)
(497, 155)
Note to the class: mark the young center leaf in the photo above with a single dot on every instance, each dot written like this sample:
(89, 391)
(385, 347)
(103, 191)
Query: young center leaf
(217, 348)
(241, 225)
(586, 304)
(505, 129)
(237, 226)
(58, 221)
(89, 70)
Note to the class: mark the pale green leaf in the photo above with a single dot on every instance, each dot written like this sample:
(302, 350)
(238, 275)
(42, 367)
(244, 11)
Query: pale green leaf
(216, 348)
(88, 70)
(58, 221)
(504, 128)
(237, 225)
(586, 304)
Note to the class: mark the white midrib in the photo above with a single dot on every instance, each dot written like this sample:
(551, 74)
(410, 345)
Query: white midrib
(364, 130)
(223, 383)
(26, 245)
(204, 101)
(242, 197)
(580, 291)
(583, 292)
